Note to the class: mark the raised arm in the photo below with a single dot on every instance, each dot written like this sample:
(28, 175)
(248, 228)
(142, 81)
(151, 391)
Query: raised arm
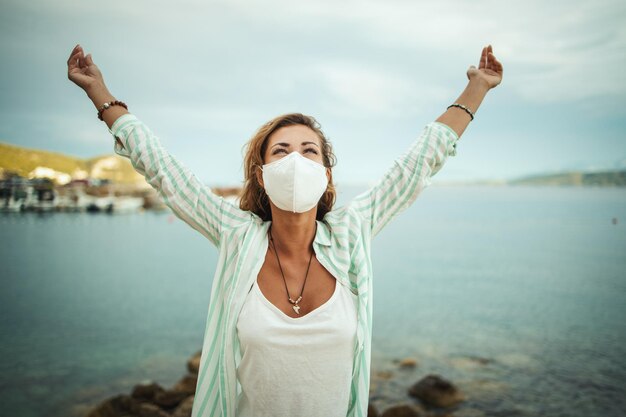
(84, 73)
(411, 172)
(189, 199)
(482, 79)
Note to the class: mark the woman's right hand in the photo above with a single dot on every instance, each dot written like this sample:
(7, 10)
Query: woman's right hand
(82, 71)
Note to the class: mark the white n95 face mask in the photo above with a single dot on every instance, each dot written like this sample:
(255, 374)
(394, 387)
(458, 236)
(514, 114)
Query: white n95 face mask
(294, 182)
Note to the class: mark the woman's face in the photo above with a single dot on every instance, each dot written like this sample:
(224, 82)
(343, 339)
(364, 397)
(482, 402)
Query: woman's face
(294, 138)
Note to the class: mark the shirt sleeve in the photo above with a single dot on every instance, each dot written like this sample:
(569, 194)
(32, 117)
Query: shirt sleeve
(407, 177)
(189, 199)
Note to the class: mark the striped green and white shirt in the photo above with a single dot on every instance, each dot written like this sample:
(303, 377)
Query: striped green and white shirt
(342, 245)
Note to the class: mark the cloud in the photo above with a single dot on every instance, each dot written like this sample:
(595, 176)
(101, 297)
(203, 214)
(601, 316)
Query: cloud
(359, 90)
(552, 51)
(206, 74)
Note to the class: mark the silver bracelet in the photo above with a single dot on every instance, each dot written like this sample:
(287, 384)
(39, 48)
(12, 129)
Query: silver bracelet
(462, 107)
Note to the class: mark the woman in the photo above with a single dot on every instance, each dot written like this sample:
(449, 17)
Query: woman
(289, 323)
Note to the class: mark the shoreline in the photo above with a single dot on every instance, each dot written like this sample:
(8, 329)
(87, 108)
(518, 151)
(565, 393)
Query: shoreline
(398, 388)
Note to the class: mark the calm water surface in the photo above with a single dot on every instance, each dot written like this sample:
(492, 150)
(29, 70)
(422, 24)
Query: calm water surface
(530, 280)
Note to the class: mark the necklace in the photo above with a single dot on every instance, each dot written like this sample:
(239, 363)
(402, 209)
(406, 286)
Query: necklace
(295, 305)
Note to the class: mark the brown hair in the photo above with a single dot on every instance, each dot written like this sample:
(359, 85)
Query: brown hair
(253, 197)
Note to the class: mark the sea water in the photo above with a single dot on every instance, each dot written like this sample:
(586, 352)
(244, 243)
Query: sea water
(515, 294)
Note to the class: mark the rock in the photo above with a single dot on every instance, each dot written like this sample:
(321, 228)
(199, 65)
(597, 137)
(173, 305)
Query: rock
(149, 410)
(469, 412)
(184, 409)
(373, 386)
(470, 362)
(149, 399)
(169, 398)
(433, 390)
(187, 384)
(372, 411)
(79, 410)
(480, 360)
(193, 364)
(404, 410)
(386, 375)
(146, 392)
(115, 406)
(408, 363)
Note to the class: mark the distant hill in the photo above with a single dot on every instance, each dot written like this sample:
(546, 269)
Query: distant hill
(605, 178)
(28, 162)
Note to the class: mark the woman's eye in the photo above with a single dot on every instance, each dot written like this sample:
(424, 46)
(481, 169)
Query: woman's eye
(313, 150)
(279, 150)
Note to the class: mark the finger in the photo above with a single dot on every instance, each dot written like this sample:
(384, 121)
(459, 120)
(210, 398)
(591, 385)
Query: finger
(73, 61)
(499, 67)
(496, 65)
(490, 54)
(74, 52)
(89, 60)
(81, 60)
(483, 58)
(494, 61)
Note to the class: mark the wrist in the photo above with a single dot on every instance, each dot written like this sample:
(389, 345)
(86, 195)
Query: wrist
(479, 83)
(99, 94)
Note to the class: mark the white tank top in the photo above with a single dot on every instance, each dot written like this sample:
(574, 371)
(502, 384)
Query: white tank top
(296, 366)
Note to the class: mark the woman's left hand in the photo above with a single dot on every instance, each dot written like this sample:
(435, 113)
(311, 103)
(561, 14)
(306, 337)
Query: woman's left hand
(489, 70)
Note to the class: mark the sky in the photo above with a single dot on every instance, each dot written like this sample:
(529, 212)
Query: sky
(205, 75)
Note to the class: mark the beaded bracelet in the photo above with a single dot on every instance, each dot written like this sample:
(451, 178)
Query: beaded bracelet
(110, 104)
(464, 108)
